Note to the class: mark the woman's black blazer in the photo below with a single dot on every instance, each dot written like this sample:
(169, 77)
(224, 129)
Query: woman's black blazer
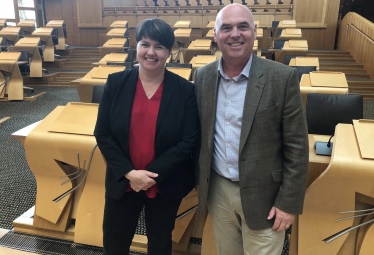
(177, 131)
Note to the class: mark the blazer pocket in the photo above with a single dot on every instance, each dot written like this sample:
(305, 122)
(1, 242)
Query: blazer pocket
(277, 175)
(267, 111)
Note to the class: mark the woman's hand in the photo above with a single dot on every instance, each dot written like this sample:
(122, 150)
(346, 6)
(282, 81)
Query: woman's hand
(141, 179)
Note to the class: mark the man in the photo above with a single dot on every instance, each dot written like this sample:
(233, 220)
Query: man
(254, 147)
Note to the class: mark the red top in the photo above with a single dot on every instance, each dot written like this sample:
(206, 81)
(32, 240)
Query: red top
(143, 130)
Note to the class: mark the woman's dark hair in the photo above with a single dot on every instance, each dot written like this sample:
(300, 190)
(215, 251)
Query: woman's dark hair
(157, 30)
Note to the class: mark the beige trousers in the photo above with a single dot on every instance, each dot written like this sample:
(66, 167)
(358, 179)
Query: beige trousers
(232, 235)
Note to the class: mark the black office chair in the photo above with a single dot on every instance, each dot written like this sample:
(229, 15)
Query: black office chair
(278, 44)
(274, 25)
(24, 62)
(287, 59)
(3, 44)
(325, 111)
(180, 65)
(304, 70)
(55, 36)
(97, 91)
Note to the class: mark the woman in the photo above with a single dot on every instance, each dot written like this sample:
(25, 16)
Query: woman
(147, 129)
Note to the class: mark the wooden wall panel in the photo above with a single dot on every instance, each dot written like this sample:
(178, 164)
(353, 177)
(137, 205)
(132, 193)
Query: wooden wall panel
(75, 15)
(67, 14)
(89, 36)
(53, 9)
(310, 11)
(89, 13)
(332, 24)
(314, 37)
(76, 33)
(70, 40)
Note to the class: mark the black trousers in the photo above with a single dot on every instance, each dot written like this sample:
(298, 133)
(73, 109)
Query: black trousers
(121, 219)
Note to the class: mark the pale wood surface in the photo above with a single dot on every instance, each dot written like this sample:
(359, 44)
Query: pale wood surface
(13, 87)
(11, 33)
(27, 25)
(97, 76)
(328, 79)
(183, 72)
(201, 60)
(117, 32)
(325, 197)
(119, 23)
(182, 24)
(114, 58)
(61, 37)
(304, 61)
(31, 45)
(365, 137)
(45, 34)
(113, 45)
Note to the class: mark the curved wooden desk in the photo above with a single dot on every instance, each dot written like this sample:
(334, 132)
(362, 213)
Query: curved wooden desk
(51, 149)
(346, 185)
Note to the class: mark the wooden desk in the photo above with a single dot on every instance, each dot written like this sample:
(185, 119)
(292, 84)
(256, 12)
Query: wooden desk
(289, 33)
(118, 32)
(97, 76)
(292, 47)
(197, 47)
(345, 185)
(182, 24)
(211, 24)
(2, 23)
(304, 61)
(260, 33)
(51, 148)
(12, 34)
(287, 24)
(182, 35)
(31, 44)
(59, 24)
(27, 25)
(183, 72)
(201, 60)
(113, 58)
(119, 23)
(210, 34)
(45, 35)
(11, 88)
(326, 83)
(114, 45)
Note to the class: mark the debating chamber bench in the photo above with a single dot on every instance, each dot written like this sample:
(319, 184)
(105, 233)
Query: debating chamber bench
(69, 169)
(338, 186)
(11, 82)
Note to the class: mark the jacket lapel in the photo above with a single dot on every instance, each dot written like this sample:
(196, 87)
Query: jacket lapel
(209, 92)
(166, 97)
(255, 88)
(126, 97)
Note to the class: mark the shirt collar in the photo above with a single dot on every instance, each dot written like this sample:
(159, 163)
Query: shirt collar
(245, 71)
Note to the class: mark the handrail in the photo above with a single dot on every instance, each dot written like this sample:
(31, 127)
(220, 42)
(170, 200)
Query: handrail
(356, 35)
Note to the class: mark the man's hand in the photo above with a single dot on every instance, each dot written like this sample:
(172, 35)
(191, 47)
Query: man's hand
(141, 179)
(283, 220)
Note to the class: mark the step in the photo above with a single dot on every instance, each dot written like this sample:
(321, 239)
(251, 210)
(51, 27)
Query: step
(58, 79)
(356, 75)
(342, 69)
(335, 59)
(329, 52)
(62, 83)
(352, 65)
